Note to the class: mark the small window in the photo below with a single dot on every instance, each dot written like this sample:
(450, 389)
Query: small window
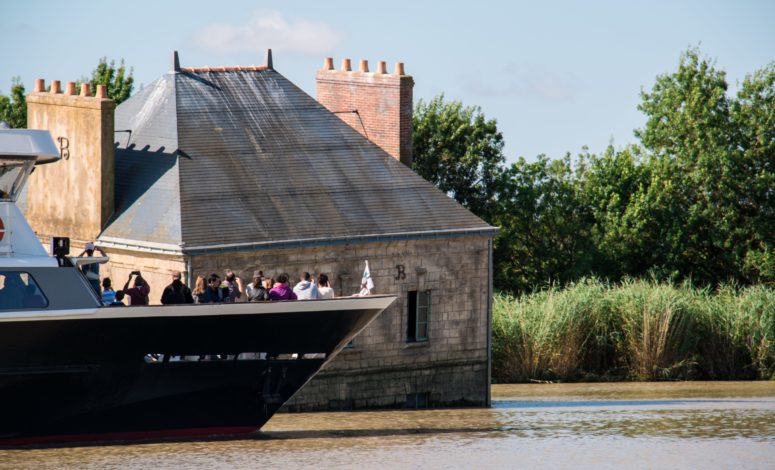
(417, 400)
(18, 290)
(418, 315)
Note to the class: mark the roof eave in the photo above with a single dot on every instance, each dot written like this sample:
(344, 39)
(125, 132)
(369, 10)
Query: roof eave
(170, 249)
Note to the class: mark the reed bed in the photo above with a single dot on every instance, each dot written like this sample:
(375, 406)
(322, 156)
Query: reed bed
(635, 330)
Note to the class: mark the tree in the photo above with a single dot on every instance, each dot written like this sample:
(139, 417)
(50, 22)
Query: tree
(609, 183)
(13, 110)
(753, 114)
(545, 227)
(460, 151)
(710, 198)
(118, 83)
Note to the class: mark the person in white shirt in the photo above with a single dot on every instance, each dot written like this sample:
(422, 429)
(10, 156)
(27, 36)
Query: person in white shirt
(306, 289)
(325, 291)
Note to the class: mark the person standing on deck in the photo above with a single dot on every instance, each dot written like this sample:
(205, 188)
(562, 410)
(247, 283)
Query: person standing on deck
(325, 291)
(255, 290)
(199, 290)
(92, 271)
(138, 294)
(233, 287)
(108, 294)
(176, 292)
(306, 289)
(281, 290)
(214, 293)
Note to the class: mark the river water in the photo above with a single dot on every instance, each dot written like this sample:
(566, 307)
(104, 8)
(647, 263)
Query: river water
(622, 425)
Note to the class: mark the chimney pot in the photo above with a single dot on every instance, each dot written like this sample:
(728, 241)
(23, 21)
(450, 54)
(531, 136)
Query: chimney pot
(175, 61)
(102, 92)
(85, 89)
(56, 86)
(40, 85)
(346, 66)
(364, 66)
(269, 64)
(381, 67)
(328, 64)
(399, 68)
(70, 90)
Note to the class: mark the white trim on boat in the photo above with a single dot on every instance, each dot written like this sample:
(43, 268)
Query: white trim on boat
(202, 310)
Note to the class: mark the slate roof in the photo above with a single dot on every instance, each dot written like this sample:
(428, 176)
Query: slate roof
(208, 160)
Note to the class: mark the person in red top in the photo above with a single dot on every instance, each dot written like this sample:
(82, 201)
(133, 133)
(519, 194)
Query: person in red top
(138, 295)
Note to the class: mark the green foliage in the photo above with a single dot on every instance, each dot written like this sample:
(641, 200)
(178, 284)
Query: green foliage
(13, 110)
(118, 83)
(636, 330)
(694, 200)
(609, 186)
(709, 196)
(460, 151)
(544, 233)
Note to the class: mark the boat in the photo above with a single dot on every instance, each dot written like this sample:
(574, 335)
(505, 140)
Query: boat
(73, 370)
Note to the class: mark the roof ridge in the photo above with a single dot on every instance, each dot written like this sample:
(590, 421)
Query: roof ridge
(234, 68)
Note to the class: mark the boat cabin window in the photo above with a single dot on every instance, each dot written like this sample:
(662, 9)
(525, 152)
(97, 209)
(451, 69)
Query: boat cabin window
(18, 290)
(13, 173)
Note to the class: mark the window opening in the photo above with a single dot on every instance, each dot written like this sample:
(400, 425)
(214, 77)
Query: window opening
(418, 315)
(18, 290)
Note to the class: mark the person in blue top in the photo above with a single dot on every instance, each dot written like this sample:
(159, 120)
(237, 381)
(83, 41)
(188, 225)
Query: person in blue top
(108, 294)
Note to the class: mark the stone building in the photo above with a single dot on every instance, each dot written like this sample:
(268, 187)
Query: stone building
(217, 168)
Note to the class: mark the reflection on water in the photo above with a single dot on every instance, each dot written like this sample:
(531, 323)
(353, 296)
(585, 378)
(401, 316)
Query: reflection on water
(664, 425)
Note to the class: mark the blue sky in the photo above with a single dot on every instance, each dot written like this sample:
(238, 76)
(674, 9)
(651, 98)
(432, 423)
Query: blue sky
(556, 75)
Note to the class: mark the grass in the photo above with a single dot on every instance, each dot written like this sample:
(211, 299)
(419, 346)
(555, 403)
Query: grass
(636, 330)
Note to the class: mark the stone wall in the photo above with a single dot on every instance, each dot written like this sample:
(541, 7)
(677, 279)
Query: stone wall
(75, 196)
(155, 268)
(382, 369)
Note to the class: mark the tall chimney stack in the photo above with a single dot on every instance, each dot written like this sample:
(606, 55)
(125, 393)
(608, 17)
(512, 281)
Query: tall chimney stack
(82, 127)
(383, 102)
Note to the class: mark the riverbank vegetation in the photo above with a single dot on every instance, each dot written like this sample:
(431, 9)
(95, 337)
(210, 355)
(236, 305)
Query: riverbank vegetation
(653, 260)
(592, 330)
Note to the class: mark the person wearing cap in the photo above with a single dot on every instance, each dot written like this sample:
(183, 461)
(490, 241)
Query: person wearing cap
(92, 270)
(256, 291)
(176, 292)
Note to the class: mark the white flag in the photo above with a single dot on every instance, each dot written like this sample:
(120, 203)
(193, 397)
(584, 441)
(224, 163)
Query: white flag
(366, 283)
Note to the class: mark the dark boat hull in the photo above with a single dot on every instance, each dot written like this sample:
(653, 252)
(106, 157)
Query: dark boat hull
(94, 377)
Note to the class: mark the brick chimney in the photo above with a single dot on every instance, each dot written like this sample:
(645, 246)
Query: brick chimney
(377, 104)
(74, 197)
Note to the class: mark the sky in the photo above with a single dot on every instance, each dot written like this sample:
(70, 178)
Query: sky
(556, 75)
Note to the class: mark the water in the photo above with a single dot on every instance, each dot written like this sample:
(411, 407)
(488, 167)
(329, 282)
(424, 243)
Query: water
(632, 425)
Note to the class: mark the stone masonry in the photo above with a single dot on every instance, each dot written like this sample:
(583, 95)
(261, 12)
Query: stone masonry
(382, 369)
(82, 126)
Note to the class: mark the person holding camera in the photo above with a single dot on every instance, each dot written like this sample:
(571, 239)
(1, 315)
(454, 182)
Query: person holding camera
(138, 294)
(92, 270)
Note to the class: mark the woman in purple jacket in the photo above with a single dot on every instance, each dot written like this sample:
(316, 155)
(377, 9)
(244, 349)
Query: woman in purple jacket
(281, 290)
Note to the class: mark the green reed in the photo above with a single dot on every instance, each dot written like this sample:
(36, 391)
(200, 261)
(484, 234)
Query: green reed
(639, 329)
